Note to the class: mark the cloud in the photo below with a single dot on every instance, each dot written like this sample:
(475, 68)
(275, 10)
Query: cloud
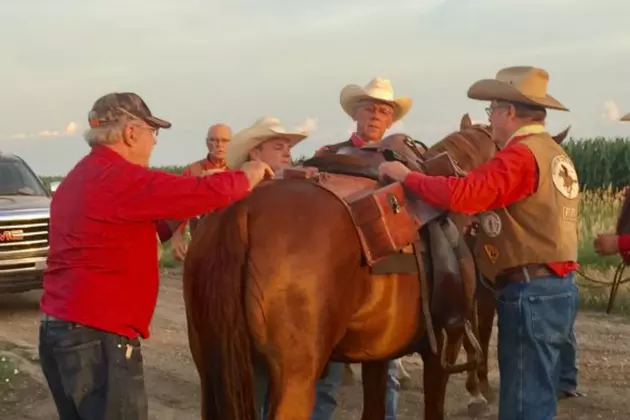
(611, 111)
(70, 129)
(309, 125)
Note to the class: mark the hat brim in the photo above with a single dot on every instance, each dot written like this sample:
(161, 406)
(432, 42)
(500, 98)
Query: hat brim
(495, 90)
(157, 122)
(352, 95)
(245, 140)
(625, 118)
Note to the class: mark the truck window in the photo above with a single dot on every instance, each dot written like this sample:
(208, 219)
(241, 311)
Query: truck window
(17, 179)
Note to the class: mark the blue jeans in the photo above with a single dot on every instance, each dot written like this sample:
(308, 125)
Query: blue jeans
(92, 374)
(535, 324)
(328, 386)
(568, 365)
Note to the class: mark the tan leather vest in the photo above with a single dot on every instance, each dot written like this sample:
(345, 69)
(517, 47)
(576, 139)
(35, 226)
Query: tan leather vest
(541, 228)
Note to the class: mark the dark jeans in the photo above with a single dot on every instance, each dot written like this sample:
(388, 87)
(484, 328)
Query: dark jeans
(568, 365)
(92, 374)
(536, 321)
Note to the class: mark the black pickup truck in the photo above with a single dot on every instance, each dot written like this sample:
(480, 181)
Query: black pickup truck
(24, 225)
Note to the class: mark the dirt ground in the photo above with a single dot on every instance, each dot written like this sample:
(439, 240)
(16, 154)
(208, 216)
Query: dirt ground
(172, 382)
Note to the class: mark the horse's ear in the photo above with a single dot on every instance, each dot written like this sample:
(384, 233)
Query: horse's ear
(466, 122)
(559, 138)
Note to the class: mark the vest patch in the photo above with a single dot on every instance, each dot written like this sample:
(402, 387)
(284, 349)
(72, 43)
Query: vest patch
(492, 252)
(491, 223)
(569, 213)
(564, 176)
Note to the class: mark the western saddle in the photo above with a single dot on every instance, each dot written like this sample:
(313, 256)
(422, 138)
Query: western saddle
(399, 232)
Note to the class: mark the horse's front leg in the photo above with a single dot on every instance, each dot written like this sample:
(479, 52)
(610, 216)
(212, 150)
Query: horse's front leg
(435, 380)
(374, 375)
(477, 403)
(487, 307)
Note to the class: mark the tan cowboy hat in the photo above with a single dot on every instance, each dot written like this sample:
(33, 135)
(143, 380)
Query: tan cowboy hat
(625, 117)
(263, 129)
(378, 89)
(523, 84)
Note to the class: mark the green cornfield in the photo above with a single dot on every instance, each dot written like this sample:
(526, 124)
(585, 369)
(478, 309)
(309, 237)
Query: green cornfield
(600, 162)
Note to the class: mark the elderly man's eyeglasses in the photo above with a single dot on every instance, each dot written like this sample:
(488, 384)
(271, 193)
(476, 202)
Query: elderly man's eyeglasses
(154, 131)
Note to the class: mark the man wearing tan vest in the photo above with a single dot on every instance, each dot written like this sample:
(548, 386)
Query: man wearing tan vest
(217, 140)
(527, 197)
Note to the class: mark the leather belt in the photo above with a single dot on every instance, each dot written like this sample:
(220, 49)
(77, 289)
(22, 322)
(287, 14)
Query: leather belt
(522, 274)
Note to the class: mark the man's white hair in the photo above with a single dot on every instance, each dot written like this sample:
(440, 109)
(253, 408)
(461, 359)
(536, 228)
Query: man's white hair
(104, 135)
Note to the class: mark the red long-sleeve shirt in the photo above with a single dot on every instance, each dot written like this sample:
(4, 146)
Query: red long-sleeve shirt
(623, 241)
(206, 164)
(102, 263)
(510, 176)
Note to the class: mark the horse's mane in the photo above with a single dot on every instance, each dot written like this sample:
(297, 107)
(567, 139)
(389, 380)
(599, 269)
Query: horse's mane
(469, 147)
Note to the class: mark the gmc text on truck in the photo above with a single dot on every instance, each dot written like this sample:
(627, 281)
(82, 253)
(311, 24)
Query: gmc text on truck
(24, 224)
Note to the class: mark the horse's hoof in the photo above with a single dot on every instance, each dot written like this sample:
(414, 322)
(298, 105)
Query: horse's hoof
(348, 377)
(477, 406)
(405, 382)
(488, 393)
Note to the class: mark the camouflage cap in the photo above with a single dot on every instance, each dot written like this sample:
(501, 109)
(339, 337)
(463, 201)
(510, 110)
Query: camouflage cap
(116, 106)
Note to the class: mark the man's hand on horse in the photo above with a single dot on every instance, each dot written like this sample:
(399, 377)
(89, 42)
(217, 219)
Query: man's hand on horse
(392, 170)
(606, 244)
(256, 171)
(212, 171)
(179, 246)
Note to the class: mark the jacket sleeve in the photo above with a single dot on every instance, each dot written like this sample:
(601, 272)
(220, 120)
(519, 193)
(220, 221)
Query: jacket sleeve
(153, 195)
(510, 176)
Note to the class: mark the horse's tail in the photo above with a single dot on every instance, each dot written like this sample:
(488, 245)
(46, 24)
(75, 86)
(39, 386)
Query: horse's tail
(226, 343)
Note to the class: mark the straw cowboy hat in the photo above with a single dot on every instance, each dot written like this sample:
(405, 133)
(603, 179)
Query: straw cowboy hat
(523, 84)
(262, 130)
(378, 89)
(625, 117)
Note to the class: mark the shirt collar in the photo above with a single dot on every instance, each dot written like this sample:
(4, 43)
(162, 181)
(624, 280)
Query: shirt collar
(357, 141)
(218, 163)
(107, 153)
(526, 130)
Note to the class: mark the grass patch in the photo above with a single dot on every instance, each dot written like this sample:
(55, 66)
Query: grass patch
(18, 390)
(595, 296)
(598, 213)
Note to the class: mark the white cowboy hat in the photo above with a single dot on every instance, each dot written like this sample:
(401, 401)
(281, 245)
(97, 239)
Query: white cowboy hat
(378, 89)
(522, 84)
(625, 117)
(262, 130)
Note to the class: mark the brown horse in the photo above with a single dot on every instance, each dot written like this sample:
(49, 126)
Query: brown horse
(275, 286)
(477, 382)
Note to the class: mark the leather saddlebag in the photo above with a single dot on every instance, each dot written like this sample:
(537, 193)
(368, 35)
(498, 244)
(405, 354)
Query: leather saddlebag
(383, 220)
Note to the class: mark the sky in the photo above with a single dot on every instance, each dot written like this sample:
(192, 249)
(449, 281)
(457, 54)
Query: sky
(199, 62)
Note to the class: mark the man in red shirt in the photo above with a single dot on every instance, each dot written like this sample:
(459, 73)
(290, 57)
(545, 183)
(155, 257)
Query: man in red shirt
(101, 284)
(217, 140)
(375, 109)
(527, 197)
(611, 243)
